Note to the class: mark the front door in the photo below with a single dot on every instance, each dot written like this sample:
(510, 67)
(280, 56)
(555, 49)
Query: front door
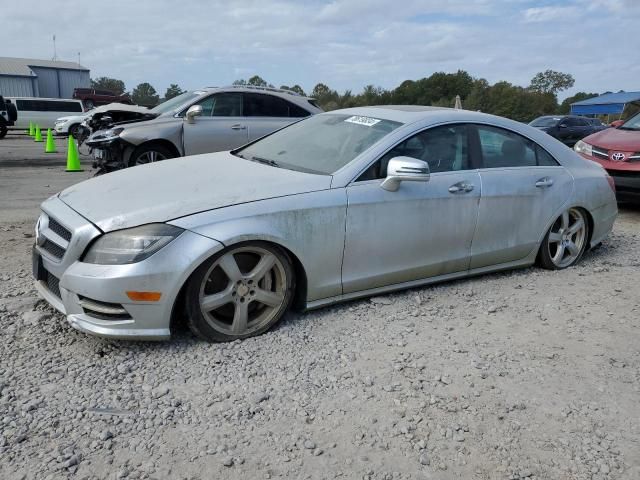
(220, 127)
(522, 189)
(422, 229)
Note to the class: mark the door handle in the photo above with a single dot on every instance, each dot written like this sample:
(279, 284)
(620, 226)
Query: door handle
(461, 187)
(544, 182)
(237, 126)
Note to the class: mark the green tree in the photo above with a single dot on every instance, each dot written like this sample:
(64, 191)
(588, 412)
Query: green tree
(320, 90)
(173, 91)
(106, 83)
(298, 89)
(257, 81)
(145, 94)
(551, 81)
(241, 81)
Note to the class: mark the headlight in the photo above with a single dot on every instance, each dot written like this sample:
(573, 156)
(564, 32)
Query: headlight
(60, 122)
(111, 134)
(131, 245)
(584, 148)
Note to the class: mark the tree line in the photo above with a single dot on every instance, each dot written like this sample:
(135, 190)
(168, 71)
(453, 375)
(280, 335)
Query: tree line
(439, 89)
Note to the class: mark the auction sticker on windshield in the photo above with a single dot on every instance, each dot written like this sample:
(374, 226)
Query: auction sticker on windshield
(366, 121)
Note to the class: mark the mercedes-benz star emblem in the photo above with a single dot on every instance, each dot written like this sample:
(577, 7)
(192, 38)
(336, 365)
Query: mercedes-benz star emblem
(617, 156)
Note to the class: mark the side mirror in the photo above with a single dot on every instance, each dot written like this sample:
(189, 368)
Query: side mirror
(563, 125)
(405, 169)
(617, 123)
(193, 112)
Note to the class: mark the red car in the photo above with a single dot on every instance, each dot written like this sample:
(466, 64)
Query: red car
(618, 151)
(92, 97)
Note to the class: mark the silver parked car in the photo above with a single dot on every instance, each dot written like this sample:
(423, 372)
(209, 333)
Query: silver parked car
(341, 205)
(201, 121)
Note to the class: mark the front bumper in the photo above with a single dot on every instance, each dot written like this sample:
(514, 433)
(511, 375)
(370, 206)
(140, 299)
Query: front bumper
(75, 282)
(626, 177)
(61, 129)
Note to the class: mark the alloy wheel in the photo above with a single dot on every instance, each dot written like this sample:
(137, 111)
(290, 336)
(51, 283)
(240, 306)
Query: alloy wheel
(243, 291)
(567, 238)
(149, 156)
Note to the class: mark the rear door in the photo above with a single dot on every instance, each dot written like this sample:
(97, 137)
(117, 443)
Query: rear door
(267, 113)
(523, 187)
(220, 127)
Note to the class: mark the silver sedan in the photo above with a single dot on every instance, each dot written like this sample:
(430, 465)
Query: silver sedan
(341, 205)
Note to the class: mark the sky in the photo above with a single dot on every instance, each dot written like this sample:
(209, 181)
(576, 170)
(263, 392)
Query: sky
(345, 44)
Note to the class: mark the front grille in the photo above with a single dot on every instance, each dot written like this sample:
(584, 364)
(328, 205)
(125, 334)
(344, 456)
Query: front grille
(59, 229)
(53, 248)
(600, 152)
(53, 284)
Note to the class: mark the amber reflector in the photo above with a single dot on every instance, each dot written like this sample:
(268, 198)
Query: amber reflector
(144, 296)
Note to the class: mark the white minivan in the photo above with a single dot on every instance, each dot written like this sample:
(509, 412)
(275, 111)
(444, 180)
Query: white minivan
(43, 111)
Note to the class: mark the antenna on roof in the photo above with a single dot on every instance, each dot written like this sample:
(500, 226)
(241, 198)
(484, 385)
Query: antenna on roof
(55, 54)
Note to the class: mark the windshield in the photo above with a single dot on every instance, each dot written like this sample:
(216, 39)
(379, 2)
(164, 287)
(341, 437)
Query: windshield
(632, 124)
(545, 121)
(320, 144)
(174, 102)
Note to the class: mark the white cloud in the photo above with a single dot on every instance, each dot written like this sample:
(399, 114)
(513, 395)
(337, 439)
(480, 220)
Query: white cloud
(345, 44)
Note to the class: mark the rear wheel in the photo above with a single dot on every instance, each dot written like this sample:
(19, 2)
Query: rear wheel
(149, 154)
(240, 292)
(566, 240)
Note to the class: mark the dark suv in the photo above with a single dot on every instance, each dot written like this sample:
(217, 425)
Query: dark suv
(92, 97)
(8, 115)
(568, 128)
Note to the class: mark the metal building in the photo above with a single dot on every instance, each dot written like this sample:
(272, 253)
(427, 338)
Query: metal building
(26, 77)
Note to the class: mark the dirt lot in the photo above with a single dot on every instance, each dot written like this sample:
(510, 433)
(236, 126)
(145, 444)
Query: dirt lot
(529, 374)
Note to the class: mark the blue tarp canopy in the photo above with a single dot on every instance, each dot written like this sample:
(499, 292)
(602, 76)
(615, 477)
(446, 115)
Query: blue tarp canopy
(605, 104)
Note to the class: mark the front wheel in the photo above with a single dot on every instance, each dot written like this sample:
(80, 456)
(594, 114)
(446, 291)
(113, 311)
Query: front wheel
(240, 292)
(566, 240)
(149, 154)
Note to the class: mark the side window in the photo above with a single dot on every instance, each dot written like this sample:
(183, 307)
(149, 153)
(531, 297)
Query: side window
(227, 105)
(296, 111)
(262, 105)
(572, 122)
(207, 106)
(502, 148)
(444, 148)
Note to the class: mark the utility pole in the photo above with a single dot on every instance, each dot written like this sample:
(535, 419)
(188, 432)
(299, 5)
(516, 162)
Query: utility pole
(55, 54)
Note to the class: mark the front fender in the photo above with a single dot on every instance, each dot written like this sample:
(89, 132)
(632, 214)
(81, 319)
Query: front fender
(310, 225)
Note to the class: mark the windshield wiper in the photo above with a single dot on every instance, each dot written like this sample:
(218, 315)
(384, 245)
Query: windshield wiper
(266, 161)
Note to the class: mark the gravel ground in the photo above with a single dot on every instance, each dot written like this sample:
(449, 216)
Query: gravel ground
(528, 374)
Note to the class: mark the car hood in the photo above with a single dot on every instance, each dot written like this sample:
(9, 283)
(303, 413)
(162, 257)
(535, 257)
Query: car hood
(175, 188)
(616, 139)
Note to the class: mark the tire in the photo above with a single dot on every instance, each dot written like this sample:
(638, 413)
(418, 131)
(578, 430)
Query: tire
(3, 130)
(88, 104)
(240, 292)
(566, 241)
(73, 130)
(150, 153)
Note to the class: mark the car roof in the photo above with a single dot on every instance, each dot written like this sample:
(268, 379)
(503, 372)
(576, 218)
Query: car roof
(413, 113)
(289, 95)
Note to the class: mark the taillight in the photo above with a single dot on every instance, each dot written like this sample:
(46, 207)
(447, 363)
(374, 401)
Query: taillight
(611, 183)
